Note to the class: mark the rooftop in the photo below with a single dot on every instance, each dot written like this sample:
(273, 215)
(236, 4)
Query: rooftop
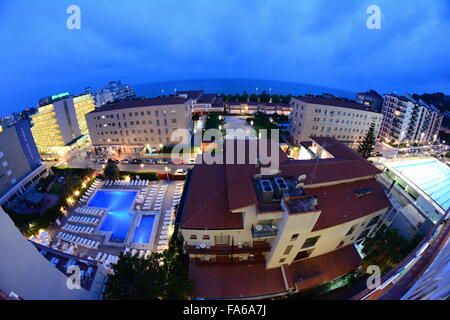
(333, 101)
(231, 187)
(141, 102)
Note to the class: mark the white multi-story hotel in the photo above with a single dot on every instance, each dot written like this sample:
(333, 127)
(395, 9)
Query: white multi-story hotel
(114, 91)
(132, 125)
(406, 120)
(320, 116)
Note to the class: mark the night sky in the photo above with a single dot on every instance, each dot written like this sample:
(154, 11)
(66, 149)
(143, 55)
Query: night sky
(319, 42)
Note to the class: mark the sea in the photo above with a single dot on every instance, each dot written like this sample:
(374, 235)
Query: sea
(234, 86)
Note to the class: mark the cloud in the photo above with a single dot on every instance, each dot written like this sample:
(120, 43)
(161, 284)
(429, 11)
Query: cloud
(322, 42)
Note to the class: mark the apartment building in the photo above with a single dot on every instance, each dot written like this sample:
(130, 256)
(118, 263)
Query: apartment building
(406, 120)
(60, 121)
(259, 236)
(370, 99)
(20, 162)
(114, 91)
(132, 125)
(320, 116)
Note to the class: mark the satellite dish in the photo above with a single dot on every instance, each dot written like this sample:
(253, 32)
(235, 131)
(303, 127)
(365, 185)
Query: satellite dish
(302, 178)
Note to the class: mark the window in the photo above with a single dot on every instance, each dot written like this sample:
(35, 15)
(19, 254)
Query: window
(282, 260)
(341, 244)
(294, 237)
(351, 230)
(310, 242)
(288, 250)
(303, 254)
(193, 237)
(373, 221)
(205, 237)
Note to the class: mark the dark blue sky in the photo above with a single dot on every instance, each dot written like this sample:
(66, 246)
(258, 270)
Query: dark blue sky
(320, 42)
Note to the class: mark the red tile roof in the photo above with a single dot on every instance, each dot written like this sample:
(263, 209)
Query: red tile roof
(334, 147)
(339, 204)
(335, 102)
(235, 281)
(312, 272)
(141, 102)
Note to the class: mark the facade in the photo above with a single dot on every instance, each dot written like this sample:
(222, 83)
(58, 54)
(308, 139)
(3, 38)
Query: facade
(319, 116)
(279, 227)
(254, 107)
(371, 99)
(406, 120)
(131, 125)
(114, 91)
(61, 122)
(25, 272)
(208, 103)
(20, 162)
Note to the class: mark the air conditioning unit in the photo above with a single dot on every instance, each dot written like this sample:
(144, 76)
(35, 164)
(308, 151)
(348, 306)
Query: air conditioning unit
(266, 189)
(281, 187)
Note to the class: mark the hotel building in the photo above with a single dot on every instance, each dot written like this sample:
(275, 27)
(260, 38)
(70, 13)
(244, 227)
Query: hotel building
(60, 121)
(406, 120)
(131, 125)
(263, 236)
(371, 99)
(114, 91)
(20, 162)
(319, 116)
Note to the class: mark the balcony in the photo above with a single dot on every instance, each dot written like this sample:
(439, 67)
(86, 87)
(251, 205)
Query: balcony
(230, 259)
(257, 247)
(264, 231)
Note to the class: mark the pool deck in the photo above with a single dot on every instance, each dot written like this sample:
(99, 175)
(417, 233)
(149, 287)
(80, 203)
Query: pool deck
(114, 248)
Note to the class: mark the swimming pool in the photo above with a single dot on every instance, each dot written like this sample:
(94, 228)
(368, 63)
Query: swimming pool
(144, 230)
(118, 219)
(429, 175)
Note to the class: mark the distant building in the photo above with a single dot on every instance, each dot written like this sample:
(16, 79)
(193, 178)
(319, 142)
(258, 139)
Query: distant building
(254, 107)
(319, 116)
(263, 236)
(114, 91)
(61, 122)
(131, 125)
(20, 162)
(408, 121)
(26, 273)
(371, 99)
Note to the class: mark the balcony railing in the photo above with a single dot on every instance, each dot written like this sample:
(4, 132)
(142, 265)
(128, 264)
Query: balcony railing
(265, 231)
(256, 247)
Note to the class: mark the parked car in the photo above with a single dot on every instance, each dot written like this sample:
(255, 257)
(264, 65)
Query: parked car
(181, 172)
(136, 161)
(163, 161)
(101, 160)
(113, 161)
(125, 161)
(190, 161)
(150, 161)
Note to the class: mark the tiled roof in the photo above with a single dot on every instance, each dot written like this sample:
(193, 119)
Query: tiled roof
(312, 272)
(141, 102)
(334, 147)
(335, 102)
(339, 204)
(207, 201)
(235, 281)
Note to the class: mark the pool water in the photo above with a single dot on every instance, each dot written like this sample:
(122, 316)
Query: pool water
(143, 231)
(431, 176)
(118, 219)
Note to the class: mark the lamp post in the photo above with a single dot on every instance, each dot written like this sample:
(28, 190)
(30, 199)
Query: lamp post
(167, 169)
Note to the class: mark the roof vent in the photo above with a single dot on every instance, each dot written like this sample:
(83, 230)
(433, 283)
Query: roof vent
(281, 187)
(266, 190)
(302, 178)
(363, 192)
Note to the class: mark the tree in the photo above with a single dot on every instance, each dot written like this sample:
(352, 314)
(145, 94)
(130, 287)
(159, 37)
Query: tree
(111, 171)
(160, 276)
(135, 278)
(367, 146)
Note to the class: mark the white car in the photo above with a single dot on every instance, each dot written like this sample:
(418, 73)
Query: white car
(101, 160)
(181, 172)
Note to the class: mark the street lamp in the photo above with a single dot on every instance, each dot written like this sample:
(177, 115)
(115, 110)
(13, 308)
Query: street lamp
(167, 169)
